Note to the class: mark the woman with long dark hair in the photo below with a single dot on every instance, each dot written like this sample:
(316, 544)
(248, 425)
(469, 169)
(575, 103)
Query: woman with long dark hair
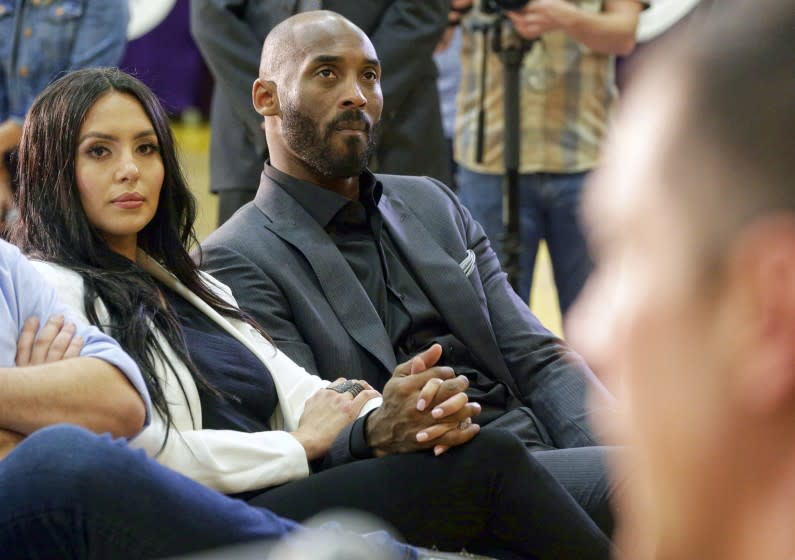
(103, 202)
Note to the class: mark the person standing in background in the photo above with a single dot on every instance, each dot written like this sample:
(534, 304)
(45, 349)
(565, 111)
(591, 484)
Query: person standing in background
(230, 34)
(447, 57)
(39, 40)
(566, 90)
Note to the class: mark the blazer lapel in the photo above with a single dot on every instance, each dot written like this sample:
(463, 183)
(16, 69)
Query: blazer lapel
(446, 285)
(283, 390)
(158, 271)
(343, 291)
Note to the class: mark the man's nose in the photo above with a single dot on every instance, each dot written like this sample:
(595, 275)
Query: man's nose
(354, 95)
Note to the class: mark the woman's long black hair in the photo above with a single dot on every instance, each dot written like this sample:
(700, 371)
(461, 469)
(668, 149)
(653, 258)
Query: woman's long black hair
(53, 226)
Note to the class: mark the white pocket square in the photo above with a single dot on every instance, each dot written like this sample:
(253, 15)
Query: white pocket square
(468, 264)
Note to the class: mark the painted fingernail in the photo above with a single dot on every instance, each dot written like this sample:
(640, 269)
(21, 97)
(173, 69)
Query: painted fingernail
(421, 404)
(422, 436)
(437, 412)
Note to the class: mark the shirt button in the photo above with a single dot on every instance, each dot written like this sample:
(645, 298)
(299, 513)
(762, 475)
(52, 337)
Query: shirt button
(24, 72)
(28, 32)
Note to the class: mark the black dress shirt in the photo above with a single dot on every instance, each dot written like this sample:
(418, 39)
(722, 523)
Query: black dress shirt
(409, 317)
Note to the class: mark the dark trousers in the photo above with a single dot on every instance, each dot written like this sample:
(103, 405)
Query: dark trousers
(555, 429)
(489, 496)
(66, 493)
(548, 209)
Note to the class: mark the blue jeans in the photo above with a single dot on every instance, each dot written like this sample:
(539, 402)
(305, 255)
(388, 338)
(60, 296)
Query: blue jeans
(549, 210)
(66, 493)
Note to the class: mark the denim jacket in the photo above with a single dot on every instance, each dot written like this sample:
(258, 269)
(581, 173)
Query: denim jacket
(42, 39)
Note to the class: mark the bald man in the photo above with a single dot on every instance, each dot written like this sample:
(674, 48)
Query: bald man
(230, 35)
(354, 272)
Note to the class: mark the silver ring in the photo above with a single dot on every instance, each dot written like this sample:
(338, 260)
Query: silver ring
(347, 386)
(355, 389)
(342, 387)
(464, 424)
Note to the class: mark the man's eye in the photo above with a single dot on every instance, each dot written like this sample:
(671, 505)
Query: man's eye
(326, 73)
(371, 75)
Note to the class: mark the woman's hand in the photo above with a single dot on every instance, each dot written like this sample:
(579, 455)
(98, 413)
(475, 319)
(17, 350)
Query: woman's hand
(326, 413)
(447, 399)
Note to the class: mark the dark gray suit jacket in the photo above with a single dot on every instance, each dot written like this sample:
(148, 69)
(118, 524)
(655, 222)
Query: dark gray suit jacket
(286, 271)
(404, 32)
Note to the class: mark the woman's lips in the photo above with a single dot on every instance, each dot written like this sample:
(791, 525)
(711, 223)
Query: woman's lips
(128, 201)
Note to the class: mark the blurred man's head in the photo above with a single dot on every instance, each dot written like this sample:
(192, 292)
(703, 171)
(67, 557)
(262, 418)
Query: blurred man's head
(319, 90)
(690, 314)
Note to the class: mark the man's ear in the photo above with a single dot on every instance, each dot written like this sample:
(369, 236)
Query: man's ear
(763, 270)
(264, 97)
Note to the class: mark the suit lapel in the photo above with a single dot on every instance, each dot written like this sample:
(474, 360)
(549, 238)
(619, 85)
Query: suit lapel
(445, 284)
(156, 269)
(342, 289)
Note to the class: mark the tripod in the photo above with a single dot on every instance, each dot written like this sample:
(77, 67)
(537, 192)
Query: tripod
(511, 51)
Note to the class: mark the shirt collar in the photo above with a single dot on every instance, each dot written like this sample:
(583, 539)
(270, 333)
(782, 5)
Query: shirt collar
(323, 204)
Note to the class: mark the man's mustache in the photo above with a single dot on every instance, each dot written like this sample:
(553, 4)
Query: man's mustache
(354, 118)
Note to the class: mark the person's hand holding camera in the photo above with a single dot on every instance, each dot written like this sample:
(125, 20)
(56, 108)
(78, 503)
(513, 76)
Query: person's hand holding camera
(542, 16)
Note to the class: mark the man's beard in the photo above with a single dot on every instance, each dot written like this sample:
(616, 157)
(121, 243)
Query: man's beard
(303, 137)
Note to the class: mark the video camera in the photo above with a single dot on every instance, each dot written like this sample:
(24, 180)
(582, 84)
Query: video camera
(494, 6)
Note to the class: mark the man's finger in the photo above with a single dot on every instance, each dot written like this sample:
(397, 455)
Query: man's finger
(420, 362)
(429, 357)
(417, 381)
(428, 393)
(451, 387)
(25, 341)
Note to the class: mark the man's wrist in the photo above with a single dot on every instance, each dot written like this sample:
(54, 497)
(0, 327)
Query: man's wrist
(376, 439)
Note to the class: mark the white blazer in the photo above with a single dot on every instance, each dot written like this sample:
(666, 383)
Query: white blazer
(226, 460)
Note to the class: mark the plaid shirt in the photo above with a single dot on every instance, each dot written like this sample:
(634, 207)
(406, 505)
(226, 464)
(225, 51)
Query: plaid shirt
(566, 91)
